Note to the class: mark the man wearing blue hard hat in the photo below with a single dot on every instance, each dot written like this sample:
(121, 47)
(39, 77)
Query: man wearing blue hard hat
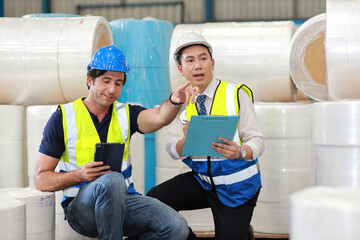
(99, 202)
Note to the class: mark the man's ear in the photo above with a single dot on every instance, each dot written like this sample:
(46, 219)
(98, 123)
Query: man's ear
(180, 69)
(89, 81)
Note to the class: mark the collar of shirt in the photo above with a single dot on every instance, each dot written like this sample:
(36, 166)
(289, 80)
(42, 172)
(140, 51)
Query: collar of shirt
(209, 92)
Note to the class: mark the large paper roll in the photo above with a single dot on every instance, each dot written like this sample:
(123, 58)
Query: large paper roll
(253, 53)
(325, 213)
(343, 49)
(40, 211)
(47, 57)
(137, 145)
(287, 163)
(307, 58)
(163, 159)
(36, 119)
(336, 136)
(12, 219)
(12, 146)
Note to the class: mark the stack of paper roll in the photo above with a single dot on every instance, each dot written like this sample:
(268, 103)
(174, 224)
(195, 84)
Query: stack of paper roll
(36, 119)
(253, 53)
(325, 213)
(167, 168)
(343, 49)
(12, 145)
(286, 165)
(40, 211)
(46, 58)
(137, 145)
(307, 58)
(12, 219)
(337, 143)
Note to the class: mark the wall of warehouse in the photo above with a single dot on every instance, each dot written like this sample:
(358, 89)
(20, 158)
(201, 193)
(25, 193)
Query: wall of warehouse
(191, 11)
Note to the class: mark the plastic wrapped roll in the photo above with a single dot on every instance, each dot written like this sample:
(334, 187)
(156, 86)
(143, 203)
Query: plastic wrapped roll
(307, 58)
(200, 220)
(163, 159)
(253, 53)
(148, 81)
(282, 120)
(325, 213)
(287, 163)
(12, 219)
(343, 49)
(36, 119)
(40, 211)
(48, 57)
(12, 146)
(137, 144)
(336, 136)
(337, 123)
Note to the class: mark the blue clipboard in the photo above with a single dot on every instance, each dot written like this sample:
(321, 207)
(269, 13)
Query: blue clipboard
(203, 130)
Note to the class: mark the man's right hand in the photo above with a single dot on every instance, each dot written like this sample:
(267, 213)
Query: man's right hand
(92, 170)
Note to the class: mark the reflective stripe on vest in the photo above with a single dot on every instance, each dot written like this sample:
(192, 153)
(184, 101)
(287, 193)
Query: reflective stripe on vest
(236, 180)
(80, 137)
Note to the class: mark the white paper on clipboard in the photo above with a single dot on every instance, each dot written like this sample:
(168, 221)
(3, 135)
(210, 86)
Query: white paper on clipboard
(203, 130)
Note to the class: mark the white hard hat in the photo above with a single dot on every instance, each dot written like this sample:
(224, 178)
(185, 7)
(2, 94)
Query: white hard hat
(189, 39)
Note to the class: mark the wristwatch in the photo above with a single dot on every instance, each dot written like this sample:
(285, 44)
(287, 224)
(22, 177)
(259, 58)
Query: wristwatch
(242, 152)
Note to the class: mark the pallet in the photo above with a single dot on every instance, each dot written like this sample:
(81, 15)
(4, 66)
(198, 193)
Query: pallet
(211, 234)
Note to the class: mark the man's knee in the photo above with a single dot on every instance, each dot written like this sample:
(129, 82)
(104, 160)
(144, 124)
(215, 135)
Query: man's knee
(112, 181)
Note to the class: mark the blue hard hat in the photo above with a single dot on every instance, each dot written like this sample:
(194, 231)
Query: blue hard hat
(109, 58)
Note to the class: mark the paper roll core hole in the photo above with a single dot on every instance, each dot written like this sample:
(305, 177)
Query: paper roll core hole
(315, 60)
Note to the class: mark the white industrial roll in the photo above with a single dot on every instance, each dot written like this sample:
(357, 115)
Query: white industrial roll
(40, 211)
(36, 119)
(283, 120)
(307, 58)
(336, 136)
(163, 159)
(343, 49)
(12, 219)
(253, 53)
(12, 146)
(286, 165)
(46, 58)
(325, 213)
(200, 220)
(137, 145)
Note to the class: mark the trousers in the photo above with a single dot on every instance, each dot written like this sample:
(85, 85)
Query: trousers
(103, 209)
(184, 192)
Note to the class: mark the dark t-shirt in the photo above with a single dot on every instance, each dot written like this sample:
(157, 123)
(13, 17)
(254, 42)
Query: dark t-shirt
(52, 143)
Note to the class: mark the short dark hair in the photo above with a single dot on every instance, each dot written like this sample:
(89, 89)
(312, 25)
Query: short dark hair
(181, 50)
(94, 73)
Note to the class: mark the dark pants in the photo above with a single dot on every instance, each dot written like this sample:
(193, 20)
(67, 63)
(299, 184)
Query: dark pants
(184, 192)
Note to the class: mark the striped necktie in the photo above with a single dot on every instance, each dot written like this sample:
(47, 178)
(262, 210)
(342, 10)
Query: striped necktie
(201, 99)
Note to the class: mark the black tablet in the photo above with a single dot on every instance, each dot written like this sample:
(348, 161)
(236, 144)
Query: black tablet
(111, 154)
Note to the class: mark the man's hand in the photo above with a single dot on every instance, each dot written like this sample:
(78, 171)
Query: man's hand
(229, 149)
(183, 93)
(92, 170)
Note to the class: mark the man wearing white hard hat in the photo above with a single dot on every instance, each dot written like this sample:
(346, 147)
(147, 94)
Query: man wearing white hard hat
(98, 202)
(229, 185)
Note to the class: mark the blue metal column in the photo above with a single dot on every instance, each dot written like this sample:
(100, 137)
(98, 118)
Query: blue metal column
(46, 6)
(1, 8)
(209, 10)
